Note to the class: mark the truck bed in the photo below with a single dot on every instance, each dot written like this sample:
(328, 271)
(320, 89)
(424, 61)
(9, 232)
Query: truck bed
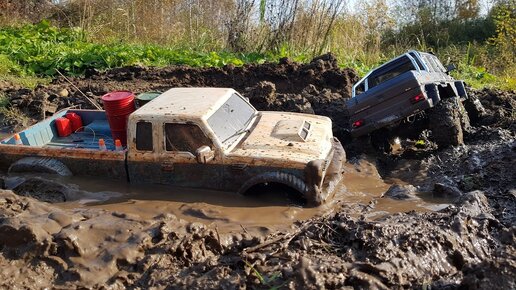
(44, 133)
(79, 152)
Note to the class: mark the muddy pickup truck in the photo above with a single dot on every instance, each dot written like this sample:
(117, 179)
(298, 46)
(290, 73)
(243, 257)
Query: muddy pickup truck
(191, 137)
(399, 89)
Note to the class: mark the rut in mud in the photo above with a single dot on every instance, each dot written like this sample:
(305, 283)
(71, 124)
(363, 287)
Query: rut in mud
(469, 243)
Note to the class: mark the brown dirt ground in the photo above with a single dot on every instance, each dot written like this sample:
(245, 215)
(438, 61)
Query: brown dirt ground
(468, 245)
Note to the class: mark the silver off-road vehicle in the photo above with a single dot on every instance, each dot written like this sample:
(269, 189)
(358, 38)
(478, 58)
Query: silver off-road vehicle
(407, 85)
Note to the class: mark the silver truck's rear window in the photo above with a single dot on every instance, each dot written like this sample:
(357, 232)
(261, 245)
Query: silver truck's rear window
(433, 63)
(390, 71)
(231, 118)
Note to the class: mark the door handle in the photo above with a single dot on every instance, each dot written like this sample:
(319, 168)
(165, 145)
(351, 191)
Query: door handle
(167, 166)
(238, 167)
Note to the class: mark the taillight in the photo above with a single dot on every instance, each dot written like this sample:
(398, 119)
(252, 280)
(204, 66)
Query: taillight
(417, 98)
(358, 123)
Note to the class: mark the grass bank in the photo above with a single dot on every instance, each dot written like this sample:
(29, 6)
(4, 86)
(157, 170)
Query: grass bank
(32, 54)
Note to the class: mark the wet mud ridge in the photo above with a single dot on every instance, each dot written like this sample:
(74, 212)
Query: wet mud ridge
(49, 239)
(318, 86)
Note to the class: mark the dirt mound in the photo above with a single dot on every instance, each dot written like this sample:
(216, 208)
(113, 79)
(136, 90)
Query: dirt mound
(285, 86)
(499, 107)
(407, 250)
(94, 248)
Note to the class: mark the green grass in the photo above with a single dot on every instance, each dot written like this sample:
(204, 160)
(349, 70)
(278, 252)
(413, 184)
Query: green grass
(13, 73)
(41, 49)
(478, 77)
(267, 281)
(4, 101)
(31, 54)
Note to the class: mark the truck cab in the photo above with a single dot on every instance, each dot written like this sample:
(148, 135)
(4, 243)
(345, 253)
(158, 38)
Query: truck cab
(402, 87)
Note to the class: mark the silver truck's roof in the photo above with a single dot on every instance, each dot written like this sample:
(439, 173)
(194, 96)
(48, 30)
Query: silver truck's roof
(188, 102)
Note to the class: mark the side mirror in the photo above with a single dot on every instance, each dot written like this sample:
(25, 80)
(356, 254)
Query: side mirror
(450, 67)
(204, 154)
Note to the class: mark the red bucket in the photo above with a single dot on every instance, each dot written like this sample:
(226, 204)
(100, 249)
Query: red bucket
(118, 123)
(119, 105)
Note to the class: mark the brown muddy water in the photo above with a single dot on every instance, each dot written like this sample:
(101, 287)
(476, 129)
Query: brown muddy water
(230, 212)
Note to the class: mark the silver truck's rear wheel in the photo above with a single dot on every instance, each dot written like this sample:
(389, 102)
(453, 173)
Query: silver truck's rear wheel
(445, 122)
(382, 141)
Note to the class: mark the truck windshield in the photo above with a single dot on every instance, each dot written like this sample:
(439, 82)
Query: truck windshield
(231, 119)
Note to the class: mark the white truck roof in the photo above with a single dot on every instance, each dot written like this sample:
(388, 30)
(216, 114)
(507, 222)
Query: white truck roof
(185, 102)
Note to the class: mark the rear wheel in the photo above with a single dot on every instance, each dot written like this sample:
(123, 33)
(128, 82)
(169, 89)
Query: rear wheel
(382, 141)
(445, 122)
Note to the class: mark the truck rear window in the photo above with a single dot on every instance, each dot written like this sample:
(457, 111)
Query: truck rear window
(416, 58)
(390, 71)
(185, 138)
(144, 136)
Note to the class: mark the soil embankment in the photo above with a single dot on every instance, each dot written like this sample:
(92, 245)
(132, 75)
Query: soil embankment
(419, 217)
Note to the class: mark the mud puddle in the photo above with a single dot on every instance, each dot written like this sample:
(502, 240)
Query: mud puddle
(361, 192)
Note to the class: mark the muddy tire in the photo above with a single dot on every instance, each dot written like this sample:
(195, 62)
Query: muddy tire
(445, 122)
(40, 165)
(465, 121)
(474, 108)
(381, 141)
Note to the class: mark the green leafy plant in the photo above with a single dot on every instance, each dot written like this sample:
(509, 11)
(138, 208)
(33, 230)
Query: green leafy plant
(30, 52)
(4, 101)
(267, 281)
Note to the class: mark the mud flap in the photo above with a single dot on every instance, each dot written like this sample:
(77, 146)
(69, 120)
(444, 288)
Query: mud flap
(433, 93)
(40, 165)
(447, 91)
(461, 90)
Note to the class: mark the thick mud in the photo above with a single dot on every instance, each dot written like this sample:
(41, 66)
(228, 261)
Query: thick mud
(420, 217)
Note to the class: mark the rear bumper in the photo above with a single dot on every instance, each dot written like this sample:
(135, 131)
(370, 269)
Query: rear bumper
(316, 194)
(407, 111)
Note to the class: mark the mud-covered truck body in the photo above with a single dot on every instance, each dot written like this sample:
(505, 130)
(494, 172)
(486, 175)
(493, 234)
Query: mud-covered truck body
(398, 89)
(191, 137)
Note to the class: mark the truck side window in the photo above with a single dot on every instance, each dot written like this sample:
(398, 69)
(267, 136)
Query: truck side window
(414, 56)
(144, 136)
(360, 88)
(185, 138)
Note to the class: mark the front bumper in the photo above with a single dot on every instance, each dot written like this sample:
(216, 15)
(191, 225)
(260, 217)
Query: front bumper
(319, 193)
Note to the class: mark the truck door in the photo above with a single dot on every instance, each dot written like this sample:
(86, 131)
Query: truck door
(141, 160)
(179, 165)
